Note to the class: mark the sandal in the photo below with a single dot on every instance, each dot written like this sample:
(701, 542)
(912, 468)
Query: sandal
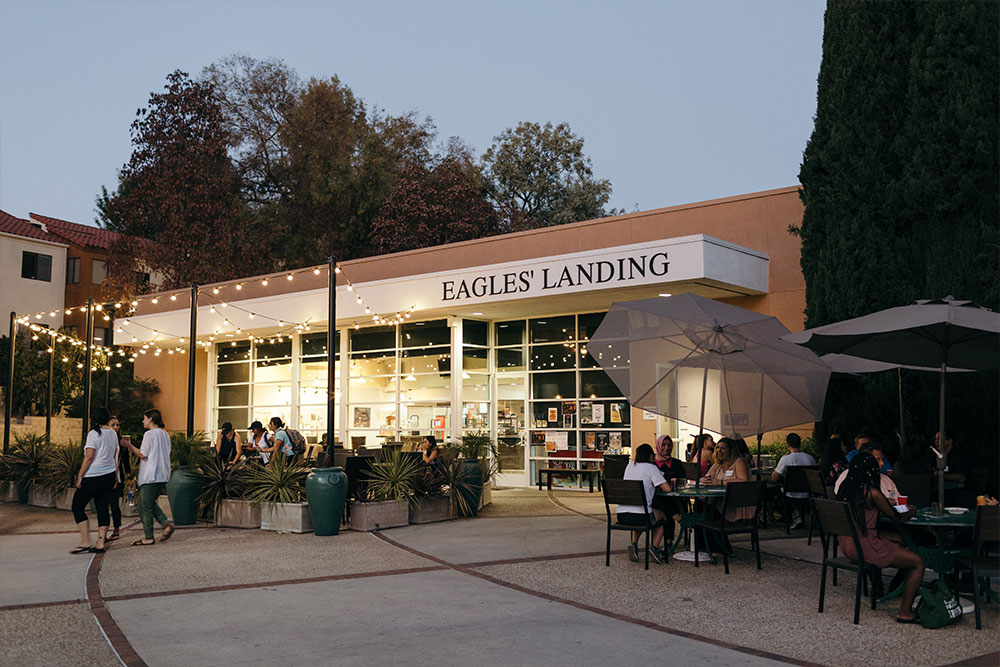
(167, 532)
(82, 550)
(99, 550)
(915, 619)
(142, 543)
(112, 537)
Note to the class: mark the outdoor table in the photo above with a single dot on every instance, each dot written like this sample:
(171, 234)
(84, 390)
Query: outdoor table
(690, 515)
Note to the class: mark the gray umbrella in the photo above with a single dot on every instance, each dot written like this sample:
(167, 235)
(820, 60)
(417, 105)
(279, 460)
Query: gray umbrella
(944, 333)
(748, 380)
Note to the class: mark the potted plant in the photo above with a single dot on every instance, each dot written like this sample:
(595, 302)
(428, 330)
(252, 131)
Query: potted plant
(430, 497)
(384, 499)
(28, 457)
(479, 450)
(60, 471)
(222, 495)
(279, 491)
(187, 455)
(7, 485)
(462, 480)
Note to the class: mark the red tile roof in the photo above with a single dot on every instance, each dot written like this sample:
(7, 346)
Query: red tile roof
(82, 235)
(20, 227)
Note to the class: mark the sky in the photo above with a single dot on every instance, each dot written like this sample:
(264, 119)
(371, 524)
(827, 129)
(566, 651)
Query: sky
(677, 101)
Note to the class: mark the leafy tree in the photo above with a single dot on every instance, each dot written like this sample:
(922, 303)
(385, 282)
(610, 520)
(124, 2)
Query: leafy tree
(31, 373)
(179, 190)
(434, 205)
(540, 177)
(129, 397)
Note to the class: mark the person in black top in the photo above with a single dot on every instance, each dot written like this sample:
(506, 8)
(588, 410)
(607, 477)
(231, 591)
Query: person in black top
(672, 469)
(834, 460)
(124, 470)
(228, 446)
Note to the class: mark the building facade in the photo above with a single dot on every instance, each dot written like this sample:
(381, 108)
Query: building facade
(32, 271)
(492, 336)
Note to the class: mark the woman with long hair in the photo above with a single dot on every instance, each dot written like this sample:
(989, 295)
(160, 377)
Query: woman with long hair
(124, 469)
(154, 473)
(729, 467)
(860, 490)
(95, 481)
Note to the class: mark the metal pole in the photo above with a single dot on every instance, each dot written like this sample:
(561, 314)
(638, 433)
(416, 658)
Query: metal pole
(48, 396)
(8, 397)
(701, 422)
(192, 358)
(331, 351)
(902, 427)
(88, 362)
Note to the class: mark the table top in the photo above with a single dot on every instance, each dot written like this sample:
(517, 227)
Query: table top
(925, 517)
(691, 491)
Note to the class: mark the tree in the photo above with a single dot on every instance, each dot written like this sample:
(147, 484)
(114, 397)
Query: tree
(899, 185)
(434, 205)
(31, 373)
(179, 190)
(540, 177)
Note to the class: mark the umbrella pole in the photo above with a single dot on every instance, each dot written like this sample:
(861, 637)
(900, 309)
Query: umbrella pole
(701, 424)
(902, 428)
(760, 436)
(942, 461)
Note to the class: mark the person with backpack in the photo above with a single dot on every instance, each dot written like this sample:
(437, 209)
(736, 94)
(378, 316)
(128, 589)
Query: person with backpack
(287, 441)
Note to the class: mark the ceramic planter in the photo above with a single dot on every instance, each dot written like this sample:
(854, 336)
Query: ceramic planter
(183, 490)
(286, 517)
(430, 509)
(326, 489)
(238, 514)
(378, 515)
(40, 497)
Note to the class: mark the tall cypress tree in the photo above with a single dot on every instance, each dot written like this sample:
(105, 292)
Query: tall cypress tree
(900, 185)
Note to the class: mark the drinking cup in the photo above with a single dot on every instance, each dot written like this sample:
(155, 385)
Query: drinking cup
(901, 500)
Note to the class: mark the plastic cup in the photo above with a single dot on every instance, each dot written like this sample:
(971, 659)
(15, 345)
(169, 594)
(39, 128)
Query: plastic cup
(901, 500)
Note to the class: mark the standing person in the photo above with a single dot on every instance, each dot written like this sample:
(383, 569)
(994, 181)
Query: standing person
(860, 490)
(260, 441)
(154, 473)
(228, 446)
(95, 482)
(282, 443)
(123, 470)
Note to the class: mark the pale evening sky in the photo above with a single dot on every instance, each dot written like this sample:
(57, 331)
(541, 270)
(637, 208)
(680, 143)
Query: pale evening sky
(677, 101)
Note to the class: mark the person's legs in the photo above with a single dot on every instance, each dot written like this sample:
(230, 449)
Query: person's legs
(657, 537)
(102, 500)
(158, 513)
(147, 501)
(81, 497)
(913, 564)
(116, 511)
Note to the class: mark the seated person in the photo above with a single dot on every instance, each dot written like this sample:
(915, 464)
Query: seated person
(794, 457)
(859, 490)
(834, 461)
(958, 469)
(729, 467)
(883, 461)
(672, 471)
(860, 440)
(705, 445)
(886, 485)
(429, 453)
(643, 469)
(742, 450)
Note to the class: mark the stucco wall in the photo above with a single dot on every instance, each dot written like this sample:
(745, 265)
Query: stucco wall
(26, 296)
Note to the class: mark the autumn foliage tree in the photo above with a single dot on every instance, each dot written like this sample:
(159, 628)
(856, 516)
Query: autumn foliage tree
(178, 198)
(442, 203)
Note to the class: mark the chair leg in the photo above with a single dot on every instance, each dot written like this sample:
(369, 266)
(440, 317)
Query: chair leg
(725, 555)
(696, 544)
(647, 548)
(822, 586)
(812, 521)
(857, 596)
(787, 510)
(607, 550)
(756, 544)
(975, 594)
(834, 539)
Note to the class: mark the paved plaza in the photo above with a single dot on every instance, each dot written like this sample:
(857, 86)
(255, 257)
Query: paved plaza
(524, 584)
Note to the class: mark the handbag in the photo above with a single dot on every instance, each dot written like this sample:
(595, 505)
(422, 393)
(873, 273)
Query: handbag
(938, 606)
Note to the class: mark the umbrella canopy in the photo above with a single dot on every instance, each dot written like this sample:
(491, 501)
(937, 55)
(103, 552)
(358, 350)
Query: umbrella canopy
(934, 332)
(709, 364)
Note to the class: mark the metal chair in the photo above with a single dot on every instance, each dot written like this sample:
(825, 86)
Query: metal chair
(916, 488)
(817, 489)
(739, 495)
(627, 492)
(835, 520)
(614, 466)
(691, 470)
(794, 482)
(984, 561)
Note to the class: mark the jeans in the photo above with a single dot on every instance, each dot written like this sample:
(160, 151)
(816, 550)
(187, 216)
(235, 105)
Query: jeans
(148, 509)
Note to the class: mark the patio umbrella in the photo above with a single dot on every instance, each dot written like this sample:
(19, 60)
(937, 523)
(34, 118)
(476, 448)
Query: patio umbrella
(936, 332)
(709, 364)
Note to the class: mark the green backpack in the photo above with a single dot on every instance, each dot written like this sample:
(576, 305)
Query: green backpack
(938, 606)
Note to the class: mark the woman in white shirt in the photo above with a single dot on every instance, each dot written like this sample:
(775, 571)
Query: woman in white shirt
(643, 469)
(154, 473)
(95, 481)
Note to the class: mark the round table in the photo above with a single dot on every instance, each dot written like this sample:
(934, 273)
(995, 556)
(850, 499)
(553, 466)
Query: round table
(690, 517)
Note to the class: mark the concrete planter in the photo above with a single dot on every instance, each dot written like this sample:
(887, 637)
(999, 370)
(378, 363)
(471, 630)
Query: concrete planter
(10, 496)
(238, 514)
(487, 496)
(378, 515)
(129, 510)
(430, 509)
(286, 517)
(40, 497)
(64, 499)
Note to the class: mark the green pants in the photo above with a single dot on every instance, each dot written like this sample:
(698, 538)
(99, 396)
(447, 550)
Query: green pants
(148, 509)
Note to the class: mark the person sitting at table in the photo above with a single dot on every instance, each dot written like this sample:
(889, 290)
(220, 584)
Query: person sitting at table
(704, 444)
(866, 502)
(886, 485)
(672, 471)
(644, 470)
(957, 464)
(742, 450)
(794, 457)
(833, 462)
(885, 467)
(860, 440)
(729, 467)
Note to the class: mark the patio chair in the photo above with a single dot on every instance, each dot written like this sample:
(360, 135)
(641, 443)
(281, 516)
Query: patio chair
(691, 471)
(817, 489)
(614, 465)
(626, 492)
(835, 520)
(916, 488)
(739, 495)
(794, 482)
(984, 562)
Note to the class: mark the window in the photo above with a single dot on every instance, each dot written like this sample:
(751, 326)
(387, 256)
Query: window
(72, 270)
(99, 269)
(36, 267)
